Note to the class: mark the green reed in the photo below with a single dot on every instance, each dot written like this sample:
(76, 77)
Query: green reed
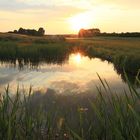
(108, 115)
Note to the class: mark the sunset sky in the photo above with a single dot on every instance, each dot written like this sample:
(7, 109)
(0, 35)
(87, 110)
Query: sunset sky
(68, 16)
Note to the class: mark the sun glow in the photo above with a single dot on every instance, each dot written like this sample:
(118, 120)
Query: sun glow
(79, 21)
(76, 58)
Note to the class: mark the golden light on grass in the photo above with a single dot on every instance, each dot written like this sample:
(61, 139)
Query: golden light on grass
(79, 21)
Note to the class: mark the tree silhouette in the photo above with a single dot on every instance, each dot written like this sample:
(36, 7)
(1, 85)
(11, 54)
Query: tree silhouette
(31, 32)
(41, 31)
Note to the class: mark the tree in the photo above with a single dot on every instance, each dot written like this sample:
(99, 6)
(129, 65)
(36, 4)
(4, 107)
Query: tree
(15, 31)
(41, 31)
(31, 32)
(21, 31)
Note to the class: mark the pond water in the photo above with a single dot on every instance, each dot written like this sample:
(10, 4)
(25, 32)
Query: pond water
(77, 74)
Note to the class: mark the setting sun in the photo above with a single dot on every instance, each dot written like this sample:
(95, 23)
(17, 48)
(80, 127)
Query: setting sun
(79, 21)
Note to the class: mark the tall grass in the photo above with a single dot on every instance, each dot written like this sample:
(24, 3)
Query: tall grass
(115, 50)
(109, 115)
(33, 53)
(30, 50)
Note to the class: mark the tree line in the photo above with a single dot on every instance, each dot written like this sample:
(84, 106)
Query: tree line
(32, 32)
(127, 34)
(96, 32)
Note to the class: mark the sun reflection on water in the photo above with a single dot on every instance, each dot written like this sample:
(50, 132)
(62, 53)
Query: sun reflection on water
(78, 74)
(76, 58)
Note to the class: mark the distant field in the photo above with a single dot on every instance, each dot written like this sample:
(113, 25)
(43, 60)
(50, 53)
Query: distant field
(25, 39)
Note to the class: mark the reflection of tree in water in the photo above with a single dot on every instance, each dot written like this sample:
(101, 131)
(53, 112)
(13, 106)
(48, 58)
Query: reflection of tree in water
(123, 67)
(33, 63)
(124, 74)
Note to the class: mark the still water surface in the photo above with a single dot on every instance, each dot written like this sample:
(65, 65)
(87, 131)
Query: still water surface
(76, 75)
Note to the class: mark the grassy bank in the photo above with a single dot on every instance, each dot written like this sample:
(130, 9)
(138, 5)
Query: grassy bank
(27, 49)
(122, 52)
(109, 115)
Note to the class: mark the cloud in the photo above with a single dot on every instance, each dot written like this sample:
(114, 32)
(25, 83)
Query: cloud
(14, 5)
(57, 7)
(135, 4)
(11, 5)
(52, 4)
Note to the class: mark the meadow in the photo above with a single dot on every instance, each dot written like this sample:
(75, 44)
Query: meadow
(107, 116)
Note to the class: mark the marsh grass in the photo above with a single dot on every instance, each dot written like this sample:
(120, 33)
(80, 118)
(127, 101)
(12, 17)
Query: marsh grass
(33, 53)
(122, 52)
(109, 115)
(119, 51)
(32, 49)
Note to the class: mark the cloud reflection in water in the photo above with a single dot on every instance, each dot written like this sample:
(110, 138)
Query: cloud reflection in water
(78, 75)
